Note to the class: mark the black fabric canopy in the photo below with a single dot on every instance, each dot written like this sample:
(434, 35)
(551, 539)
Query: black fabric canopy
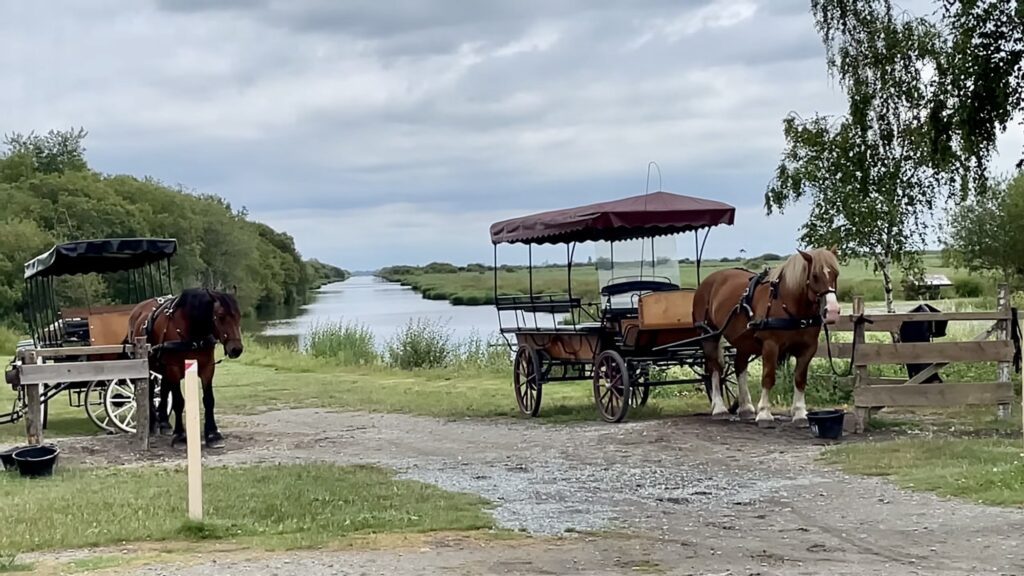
(647, 215)
(100, 256)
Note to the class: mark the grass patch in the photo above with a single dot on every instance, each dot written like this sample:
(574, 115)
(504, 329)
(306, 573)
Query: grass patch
(989, 471)
(101, 562)
(273, 506)
(9, 564)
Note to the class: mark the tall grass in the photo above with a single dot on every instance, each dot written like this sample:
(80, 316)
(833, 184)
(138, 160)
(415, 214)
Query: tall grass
(348, 344)
(8, 341)
(421, 344)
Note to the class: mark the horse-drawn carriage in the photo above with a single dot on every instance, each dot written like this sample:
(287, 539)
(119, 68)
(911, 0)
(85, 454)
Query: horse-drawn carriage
(84, 350)
(644, 318)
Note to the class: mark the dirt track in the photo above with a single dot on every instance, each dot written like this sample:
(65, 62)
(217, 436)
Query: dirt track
(693, 496)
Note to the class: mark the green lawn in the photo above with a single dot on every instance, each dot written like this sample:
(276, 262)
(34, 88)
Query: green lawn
(990, 471)
(266, 506)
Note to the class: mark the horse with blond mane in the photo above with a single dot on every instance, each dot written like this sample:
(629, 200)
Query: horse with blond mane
(775, 315)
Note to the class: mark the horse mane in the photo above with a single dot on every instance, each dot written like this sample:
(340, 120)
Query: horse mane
(198, 304)
(792, 273)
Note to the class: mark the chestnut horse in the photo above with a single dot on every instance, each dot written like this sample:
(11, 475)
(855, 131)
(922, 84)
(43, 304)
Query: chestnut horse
(775, 314)
(187, 326)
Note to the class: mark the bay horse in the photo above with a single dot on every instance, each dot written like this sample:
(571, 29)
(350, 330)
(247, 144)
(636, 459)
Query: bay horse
(774, 314)
(187, 326)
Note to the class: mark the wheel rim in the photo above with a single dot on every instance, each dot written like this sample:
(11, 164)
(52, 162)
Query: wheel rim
(527, 381)
(96, 405)
(120, 404)
(612, 391)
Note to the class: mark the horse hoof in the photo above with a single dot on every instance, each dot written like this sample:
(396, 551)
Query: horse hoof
(800, 422)
(179, 439)
(215, 440)
(766, 423)
(165, 430)
(721, 416)
(747, 415)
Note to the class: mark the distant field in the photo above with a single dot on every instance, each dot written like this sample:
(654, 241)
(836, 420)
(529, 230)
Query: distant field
(475, 287)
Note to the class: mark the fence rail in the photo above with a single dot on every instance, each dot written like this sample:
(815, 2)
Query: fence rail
(995, 344)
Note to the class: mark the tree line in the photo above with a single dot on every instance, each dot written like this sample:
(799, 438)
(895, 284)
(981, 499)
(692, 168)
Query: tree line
(51, 195)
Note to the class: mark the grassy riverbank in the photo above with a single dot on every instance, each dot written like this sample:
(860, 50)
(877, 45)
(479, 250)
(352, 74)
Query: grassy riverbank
(474, 285)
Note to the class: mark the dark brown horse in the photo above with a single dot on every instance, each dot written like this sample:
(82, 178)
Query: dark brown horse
(773, 315)
(187, 326)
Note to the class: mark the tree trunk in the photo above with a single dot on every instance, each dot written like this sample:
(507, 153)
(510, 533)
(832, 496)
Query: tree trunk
(883, 265)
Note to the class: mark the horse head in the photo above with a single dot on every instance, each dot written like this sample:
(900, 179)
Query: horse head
(822, 277)
(217, 314)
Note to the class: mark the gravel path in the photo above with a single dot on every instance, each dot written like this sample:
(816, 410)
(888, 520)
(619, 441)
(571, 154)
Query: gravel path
(696, 496)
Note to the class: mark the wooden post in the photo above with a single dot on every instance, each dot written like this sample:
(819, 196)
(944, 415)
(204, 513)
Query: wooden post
(34, 417)
(142, 403)
(195, 463)
(1003, 333)
(860, 373)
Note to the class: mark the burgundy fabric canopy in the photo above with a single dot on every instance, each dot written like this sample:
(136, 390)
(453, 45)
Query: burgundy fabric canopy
(654, 214)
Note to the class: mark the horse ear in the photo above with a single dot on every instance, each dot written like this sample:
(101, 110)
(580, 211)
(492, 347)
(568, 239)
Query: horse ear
(806, 256)
(834, 250)
(234, 289)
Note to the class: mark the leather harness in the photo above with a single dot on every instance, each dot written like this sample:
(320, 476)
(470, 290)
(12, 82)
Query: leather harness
(167, 306)
(790, 322)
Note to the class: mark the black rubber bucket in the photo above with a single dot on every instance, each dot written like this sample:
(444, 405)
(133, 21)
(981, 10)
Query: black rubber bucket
(826, 423)
(36, 461)
(7, 457)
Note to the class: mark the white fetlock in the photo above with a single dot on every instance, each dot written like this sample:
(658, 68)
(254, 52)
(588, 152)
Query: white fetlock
(718, 408)
(799, 408)
(747, 411)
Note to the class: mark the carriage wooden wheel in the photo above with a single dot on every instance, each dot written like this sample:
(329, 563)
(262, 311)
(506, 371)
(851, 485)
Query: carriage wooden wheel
(528, 381)
(612, 390)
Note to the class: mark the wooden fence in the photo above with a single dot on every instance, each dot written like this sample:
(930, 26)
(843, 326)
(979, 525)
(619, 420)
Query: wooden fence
(995, 344)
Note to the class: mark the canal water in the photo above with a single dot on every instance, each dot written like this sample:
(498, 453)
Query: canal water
(384, 308)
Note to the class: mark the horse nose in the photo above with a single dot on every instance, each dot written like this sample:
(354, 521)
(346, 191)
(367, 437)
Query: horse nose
(235, 351)
(831, 309)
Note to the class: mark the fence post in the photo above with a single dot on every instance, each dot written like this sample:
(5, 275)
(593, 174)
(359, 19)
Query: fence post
(1003, 304)
(142, 403)
(860, 373)
(34, 416)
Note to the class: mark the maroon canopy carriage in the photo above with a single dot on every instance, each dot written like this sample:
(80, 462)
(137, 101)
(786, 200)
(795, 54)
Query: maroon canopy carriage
(619, 345)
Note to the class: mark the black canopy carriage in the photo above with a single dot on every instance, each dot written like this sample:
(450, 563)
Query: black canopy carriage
(643, 319)
(82, 349)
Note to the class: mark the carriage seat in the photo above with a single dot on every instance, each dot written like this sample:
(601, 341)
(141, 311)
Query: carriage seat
(667, 310)
(108, 325)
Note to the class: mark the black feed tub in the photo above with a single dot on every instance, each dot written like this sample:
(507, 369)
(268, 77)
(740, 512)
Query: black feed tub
(36, 461)
(826, 423)
(7, 457)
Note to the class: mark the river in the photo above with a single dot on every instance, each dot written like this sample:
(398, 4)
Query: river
(383, 307)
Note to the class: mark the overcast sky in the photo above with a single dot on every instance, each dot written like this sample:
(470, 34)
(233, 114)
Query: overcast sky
(380, 132)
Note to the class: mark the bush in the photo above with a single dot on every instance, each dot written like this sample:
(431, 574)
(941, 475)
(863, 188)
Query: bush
(347, 344)
(871, 289)
(421, 343)
(967, 287)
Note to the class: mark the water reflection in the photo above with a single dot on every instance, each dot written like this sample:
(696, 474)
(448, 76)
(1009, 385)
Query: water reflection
(383, 307)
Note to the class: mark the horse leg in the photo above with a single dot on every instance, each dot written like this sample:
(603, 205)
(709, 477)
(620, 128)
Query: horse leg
(714, 362)
(164, 415)
(746, 407)
(179, 408)
(769, 362)
(803, 362)
(214, 439)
